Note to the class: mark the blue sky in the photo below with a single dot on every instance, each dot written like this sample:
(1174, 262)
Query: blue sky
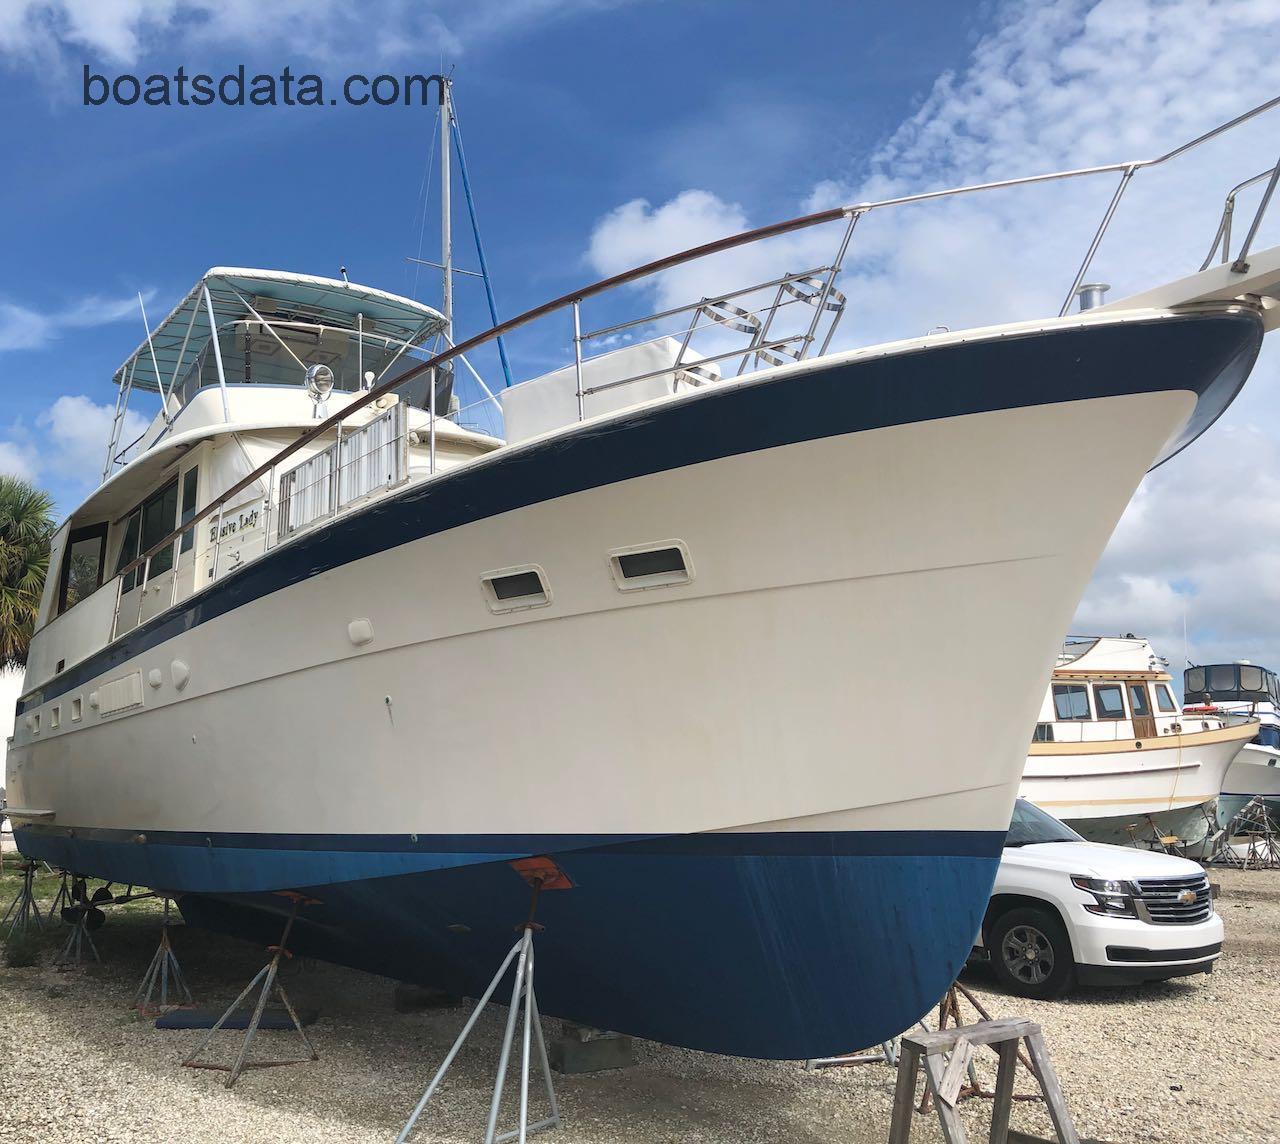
(601, 133)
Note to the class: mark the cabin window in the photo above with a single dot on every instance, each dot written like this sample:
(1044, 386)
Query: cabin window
(77, 709)
(1164, 699)
(1250, 678)
(1195, 682)
(1044, 733)
(1109, 700)
(147, 524)
(1139, 700)
(1071, 700)
(190, 481)
(649, 566)
(55, 717)
(83, 565)
(514, 589)
(1222, 677)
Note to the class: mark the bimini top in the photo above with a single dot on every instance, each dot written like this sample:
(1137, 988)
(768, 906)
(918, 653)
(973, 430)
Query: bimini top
(236, 293)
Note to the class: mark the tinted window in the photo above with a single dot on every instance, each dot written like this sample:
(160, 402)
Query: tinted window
(129, 548)
(190, 480)
(1071, 700)
(1109, 698)
(517, 585)
(1030, 824)
(1043, 734)
(83, 565)
(1193, 681)
(1164, 699)
(159, 515)
(651, 563)
(1139, 699)
(1251, 679)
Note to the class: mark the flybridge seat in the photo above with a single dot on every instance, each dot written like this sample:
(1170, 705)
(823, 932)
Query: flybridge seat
(551, 401)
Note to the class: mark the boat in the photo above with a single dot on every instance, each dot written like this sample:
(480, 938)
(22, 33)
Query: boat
(1246, 689)
(1115, 756)
(317, 634)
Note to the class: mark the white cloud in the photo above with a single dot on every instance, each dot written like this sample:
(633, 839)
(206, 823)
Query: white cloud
(23, 328)
(75, 430)
(1059, 85)
(16, 460)
(39, 33)
(1202, 537)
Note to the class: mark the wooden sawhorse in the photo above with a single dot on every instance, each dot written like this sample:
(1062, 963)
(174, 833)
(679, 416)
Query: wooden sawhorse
(942, 1073)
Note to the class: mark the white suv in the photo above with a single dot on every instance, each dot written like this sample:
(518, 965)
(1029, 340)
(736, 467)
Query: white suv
(1064, 910)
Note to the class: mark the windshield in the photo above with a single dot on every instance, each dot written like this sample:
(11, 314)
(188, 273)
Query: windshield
(1030, 825)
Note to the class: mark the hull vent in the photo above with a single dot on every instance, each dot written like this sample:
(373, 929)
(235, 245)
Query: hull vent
(121, 694)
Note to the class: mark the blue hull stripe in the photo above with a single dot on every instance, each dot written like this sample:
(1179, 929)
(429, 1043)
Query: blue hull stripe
(242, 863)
(1209, 355)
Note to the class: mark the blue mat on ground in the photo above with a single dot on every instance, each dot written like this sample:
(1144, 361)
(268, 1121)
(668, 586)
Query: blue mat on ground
(273, 1020)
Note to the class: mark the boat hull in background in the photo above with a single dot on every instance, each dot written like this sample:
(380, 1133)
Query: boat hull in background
(1116, 792)
(1254, 772)
(769, 861)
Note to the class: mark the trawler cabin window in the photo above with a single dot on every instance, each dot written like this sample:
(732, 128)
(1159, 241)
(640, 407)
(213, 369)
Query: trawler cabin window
(1071, 700)
(147, 524)
(1109, 700)
(1222, 677)
(190, 479)
(83, 565)
(1164, 699)
(1138, 699)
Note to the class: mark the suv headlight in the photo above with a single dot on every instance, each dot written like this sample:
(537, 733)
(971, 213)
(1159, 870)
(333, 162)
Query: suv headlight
(1111, 899)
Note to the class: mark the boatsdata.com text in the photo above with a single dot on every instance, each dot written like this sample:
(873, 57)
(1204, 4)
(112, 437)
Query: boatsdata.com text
(285, 88)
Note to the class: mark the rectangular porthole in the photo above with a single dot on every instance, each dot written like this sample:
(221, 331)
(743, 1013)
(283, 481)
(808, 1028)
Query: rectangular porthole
(34, 723)
(55, 717)
(651, 565)
(514, 589)
(77, 709)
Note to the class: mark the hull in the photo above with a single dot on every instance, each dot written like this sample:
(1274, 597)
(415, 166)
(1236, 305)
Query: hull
(1114, 792)
(746, 836)
(1254, 771)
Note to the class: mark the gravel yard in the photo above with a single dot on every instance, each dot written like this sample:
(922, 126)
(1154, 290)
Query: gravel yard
(1195, 1060)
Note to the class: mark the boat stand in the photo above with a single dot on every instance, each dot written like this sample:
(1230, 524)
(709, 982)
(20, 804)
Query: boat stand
(163, 969)
(1260, 848)
(24, 911)
(946, 1056)
(63, 898)
(884, 1054)
(540, 874)
(268, 976)
(949, 1011)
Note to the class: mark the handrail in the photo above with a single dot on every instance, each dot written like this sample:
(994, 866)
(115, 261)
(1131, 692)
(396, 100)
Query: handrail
(729, 242)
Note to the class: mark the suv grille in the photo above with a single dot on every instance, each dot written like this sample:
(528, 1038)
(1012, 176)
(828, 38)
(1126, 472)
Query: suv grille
(1160, 900)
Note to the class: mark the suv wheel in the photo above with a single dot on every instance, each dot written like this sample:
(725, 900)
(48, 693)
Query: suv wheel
(1031, 953)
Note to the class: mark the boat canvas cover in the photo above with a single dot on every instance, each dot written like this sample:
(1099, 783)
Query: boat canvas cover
(178, 340)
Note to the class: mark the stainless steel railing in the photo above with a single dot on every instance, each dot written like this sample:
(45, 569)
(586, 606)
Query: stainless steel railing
(849, 214)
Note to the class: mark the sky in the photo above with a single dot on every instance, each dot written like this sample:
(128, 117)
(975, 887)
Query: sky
(601, 133)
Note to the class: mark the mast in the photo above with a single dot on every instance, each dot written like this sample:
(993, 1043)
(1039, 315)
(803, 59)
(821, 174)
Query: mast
(446, 222)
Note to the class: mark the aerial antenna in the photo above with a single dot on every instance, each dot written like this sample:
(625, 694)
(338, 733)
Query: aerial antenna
(343, 271)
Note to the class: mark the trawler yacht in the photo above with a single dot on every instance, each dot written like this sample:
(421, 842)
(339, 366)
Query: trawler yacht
(1241, 689)
(1116, 757)
(316, 632)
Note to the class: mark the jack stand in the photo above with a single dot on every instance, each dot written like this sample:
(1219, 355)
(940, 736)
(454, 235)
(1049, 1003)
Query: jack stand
(23, 912)
(949, 1010)
(945, 1056)
(63, 899)
(72, 953)
(886, 1053)
(540, 874)
(268, 976)
(164, 965)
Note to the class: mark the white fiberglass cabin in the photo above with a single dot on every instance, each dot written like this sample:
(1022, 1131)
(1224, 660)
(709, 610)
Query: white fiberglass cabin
(1115, 756)
(309, 637)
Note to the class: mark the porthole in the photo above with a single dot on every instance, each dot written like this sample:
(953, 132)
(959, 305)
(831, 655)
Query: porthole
(515, 589)
(658, 565)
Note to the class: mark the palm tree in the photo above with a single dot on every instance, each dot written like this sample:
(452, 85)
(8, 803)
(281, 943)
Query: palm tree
(26, 525)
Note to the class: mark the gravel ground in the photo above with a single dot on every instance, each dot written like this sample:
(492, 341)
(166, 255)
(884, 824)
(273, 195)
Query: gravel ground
(1184, 1061)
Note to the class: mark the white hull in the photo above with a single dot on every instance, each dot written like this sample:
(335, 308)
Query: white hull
(726, 703)
(1110, 796)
